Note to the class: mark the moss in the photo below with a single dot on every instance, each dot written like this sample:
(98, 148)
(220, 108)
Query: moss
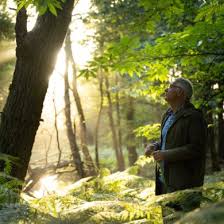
(213, 214)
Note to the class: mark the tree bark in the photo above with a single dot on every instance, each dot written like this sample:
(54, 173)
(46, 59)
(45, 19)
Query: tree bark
(117, 97)
(57, 132)
(47, 150)
(91, 170)
(119, 154)
(98, 121)
(212, 145)
(130, 138)
(69, 126)
(36, 53)
(221, 132)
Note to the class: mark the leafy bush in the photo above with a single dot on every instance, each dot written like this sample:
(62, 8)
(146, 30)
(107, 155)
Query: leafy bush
(150, 131)
(7, 27)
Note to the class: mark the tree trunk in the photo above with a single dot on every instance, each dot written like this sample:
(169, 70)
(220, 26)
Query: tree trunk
(57, 132)
(47, 150)
(130, 138)
(82, 121)
(119, 155)
(118, 117)
(221, 132)
(212, 146)
(36, 53)
(98, 120)
(69, 126)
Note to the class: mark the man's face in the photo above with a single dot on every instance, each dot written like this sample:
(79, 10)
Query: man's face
(172, 93)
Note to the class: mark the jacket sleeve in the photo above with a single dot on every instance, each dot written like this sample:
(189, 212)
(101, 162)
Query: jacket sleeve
(197, 134)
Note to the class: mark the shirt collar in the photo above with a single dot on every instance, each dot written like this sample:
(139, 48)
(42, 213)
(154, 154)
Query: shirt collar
(170, 111)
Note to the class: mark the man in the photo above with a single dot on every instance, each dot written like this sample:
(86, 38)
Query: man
(180, 155)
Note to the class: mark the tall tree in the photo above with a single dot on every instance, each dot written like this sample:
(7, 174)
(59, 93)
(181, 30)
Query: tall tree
(69, 124)
(82, 121)
(118, 116)
(57, 132)
(221, 133)
(36, 53)
(100, 79)
(130, 136)
(188, 41)
(118, 152)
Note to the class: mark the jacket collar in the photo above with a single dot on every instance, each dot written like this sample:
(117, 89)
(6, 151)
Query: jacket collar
(185, 110)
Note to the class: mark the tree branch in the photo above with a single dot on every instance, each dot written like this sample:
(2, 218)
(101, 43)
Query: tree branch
(186, 55)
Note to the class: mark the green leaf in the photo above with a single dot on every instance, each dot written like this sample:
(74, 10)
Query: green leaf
(42, 9)
(52, 9)
(57, 5)
(28, 3)
(21, 4)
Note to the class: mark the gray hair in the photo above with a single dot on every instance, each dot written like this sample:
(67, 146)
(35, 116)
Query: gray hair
(186, 85)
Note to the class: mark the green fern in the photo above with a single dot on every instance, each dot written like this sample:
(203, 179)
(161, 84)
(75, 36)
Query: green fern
(6, 179)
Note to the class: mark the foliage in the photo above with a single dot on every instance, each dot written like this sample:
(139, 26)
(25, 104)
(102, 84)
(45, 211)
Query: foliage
(42, 6)
(119, 198)
(9, 187)
(6, 180)
(7, 26)
(149, 43)
(21, 212)
(162, 44)
(150, 132)
(108, 198)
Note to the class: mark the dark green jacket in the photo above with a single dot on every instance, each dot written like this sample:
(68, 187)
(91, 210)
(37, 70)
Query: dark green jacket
(184, 164)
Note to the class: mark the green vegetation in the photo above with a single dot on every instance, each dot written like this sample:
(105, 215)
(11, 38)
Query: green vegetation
(7, 26)
(121, 197)
(141, 45)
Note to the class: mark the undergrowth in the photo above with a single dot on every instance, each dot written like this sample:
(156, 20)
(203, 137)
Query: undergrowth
(121, 197)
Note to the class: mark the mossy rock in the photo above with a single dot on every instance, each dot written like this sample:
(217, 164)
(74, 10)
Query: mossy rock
(173, 217)
(214, 177)
(213, 214)
(213, 191)
(185, 200)
(140, 221)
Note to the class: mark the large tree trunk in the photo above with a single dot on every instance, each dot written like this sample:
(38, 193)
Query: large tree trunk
(36, 53)
(119, 154)
(82, 121)
(69, 126)
(130, 138)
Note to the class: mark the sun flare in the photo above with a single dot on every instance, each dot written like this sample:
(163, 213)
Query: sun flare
(48, 185)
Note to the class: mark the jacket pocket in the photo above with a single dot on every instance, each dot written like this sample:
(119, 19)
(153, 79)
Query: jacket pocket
(179, 175)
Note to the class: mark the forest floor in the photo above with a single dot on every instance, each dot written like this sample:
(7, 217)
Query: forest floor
(121, 197)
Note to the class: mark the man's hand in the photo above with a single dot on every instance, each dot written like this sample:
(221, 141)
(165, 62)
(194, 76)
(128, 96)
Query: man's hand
(158, 155)
(150, 148)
